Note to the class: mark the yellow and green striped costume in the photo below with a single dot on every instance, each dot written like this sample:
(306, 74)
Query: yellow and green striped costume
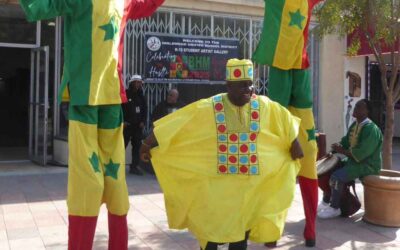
(283, 46)
(92, 80)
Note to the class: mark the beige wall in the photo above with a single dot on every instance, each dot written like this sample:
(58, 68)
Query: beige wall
(331, 88)
(334, 87)
(238, 7)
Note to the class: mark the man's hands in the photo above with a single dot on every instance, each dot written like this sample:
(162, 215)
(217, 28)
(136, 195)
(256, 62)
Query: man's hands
(296, 152)
(339, 149)
(144, 152)
(147, 144)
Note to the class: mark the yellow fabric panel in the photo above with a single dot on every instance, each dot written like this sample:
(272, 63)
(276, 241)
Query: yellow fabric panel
(111, 146)
(88, 189)
(308, 162)
(216, 207)
(355, 131)
(109, 90)
(237, 118)
(85, 187)
(289, 50)
(65, 95)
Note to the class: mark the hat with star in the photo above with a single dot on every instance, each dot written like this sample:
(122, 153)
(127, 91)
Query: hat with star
(239, 70)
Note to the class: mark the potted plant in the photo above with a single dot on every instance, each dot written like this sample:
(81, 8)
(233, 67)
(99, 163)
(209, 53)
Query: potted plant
(378, 23)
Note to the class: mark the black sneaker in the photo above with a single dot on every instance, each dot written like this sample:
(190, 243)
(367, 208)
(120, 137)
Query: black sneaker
(135, 170)
(272, 244)
(310, 243)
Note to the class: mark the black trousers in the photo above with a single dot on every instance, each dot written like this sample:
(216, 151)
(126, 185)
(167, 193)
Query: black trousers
(134, 134)
(240, 245)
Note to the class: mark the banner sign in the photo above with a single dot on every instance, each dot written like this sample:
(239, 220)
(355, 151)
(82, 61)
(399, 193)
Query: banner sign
(187, 59)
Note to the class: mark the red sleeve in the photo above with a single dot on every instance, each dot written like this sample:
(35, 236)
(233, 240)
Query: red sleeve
(312, 3)
(142, 8)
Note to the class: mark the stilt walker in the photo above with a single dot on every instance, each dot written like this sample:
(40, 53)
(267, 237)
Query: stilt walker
(93, 35)
(283, 47)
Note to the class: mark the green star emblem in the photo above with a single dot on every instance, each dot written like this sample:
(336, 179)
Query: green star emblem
(112, 169)
(296, 18)
(311, 134)
(94, 161)
(110, 28)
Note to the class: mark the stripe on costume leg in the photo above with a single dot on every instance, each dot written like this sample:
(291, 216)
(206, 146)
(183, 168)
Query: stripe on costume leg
(81, 232)
(118, 232)
(309, 193)
(301, 92)
(85, 173)
(280, 85)
(307, 141)
(112, 152)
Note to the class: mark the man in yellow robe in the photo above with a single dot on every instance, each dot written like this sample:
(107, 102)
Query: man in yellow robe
(227, 164)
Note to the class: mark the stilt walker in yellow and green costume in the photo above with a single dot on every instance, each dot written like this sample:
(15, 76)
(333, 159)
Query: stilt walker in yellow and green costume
(92, 74)
(283, 47)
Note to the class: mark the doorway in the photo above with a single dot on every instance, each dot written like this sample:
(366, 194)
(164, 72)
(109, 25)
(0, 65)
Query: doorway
(14, 103)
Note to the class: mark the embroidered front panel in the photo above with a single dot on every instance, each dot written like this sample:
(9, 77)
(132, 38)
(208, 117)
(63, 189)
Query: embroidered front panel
(237, 152)
(353, 137)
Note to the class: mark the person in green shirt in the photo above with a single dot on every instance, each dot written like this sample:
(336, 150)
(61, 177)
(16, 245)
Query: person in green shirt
(362, 146)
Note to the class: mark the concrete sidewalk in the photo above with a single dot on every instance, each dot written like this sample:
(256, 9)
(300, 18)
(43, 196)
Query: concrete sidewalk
(33, 215)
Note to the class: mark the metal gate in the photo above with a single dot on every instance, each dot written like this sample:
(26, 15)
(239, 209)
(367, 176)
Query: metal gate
(39, 105)
(246, 29)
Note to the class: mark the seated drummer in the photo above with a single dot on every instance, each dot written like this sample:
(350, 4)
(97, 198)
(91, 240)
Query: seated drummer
(362, 147)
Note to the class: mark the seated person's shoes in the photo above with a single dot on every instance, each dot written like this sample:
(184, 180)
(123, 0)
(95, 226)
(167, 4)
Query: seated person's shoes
(329, 212)
(270, 244)
(135, 171)
(322, 205)
(310, 243)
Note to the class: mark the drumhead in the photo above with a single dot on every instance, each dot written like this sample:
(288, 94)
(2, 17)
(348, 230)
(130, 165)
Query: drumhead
(326, 164)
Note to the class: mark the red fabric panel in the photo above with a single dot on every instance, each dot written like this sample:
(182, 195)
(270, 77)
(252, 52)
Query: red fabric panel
(81, 232)
(134, 9)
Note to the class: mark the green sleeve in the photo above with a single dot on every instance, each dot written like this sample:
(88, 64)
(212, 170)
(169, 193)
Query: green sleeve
(368, 142)
(47, 9)
(345, 141)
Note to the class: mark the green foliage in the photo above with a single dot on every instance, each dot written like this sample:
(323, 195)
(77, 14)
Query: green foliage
(379, 22)
(378, 19)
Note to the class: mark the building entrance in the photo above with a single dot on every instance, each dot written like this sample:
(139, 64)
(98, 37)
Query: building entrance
(14, 103)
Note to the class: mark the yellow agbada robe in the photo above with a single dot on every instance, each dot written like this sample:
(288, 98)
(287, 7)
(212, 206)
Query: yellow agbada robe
(221, 206)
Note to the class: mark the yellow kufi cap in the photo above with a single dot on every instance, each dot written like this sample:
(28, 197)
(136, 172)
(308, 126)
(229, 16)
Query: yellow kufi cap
(239, 70)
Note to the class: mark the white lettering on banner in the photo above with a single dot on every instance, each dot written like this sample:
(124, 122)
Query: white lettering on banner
(206, 51)
(191, 50)
(158, 73)
(158, 56)
(223, 52)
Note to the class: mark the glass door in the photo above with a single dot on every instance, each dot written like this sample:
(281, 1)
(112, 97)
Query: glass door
(39, 105)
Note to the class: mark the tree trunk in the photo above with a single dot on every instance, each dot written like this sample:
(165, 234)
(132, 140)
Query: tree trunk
(388, 136)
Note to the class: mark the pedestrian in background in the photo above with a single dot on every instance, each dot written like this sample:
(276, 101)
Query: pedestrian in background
(135, 115)
(168, 106)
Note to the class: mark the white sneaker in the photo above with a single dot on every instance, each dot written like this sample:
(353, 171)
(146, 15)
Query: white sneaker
(329, 213)
(322, 205)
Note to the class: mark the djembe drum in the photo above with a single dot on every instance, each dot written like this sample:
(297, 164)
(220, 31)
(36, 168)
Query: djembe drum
(325, 167)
